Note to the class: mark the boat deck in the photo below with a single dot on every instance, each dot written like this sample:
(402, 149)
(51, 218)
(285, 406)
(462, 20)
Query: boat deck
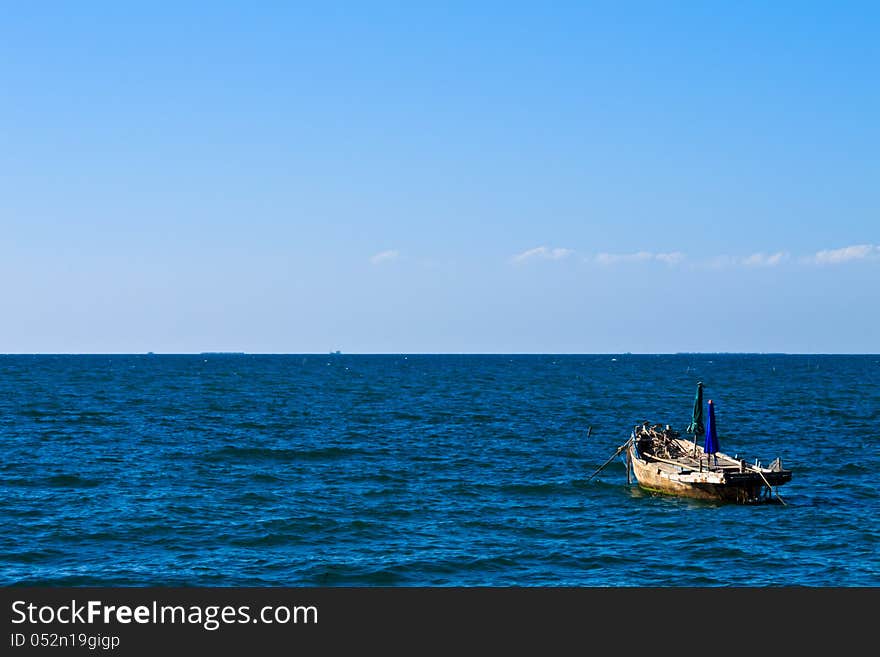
(668, 463)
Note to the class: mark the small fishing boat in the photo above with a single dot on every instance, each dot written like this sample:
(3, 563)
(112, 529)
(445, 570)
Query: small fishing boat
(665, 462)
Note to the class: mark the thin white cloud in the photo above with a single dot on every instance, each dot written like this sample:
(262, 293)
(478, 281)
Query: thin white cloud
(672, 258)
(845, 254)
(764, 259)
(754, 260)
(542, 253)
(384, 256)
(760, 259)
(617, 258)
(717, 262)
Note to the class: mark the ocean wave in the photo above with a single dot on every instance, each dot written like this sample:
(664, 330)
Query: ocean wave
(235, 453)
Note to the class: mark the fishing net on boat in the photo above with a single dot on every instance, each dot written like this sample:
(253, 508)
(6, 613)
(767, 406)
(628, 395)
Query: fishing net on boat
(660, 441)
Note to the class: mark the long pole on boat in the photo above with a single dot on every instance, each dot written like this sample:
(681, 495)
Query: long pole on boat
(613, 456)
(629, 467)
(769, 487)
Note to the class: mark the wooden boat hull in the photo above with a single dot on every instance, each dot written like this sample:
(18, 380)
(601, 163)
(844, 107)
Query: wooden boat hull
(653, 479)
(723, 485)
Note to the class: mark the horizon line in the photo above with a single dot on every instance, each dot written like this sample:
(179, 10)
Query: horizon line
(439, 353)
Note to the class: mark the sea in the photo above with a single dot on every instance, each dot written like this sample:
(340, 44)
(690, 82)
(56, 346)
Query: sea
(231, 469)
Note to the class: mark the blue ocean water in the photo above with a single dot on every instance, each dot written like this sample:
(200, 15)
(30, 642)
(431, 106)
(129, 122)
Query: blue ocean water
(259, 470)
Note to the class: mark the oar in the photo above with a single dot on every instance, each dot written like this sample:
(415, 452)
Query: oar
(770, 487)
(613, 456)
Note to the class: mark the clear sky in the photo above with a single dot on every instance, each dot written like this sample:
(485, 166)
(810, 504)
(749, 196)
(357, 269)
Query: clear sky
(475, 177)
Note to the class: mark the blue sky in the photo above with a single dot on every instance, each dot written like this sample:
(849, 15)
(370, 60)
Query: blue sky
(455, 177)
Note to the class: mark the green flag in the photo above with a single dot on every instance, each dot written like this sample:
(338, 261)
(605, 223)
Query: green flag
(696, 426)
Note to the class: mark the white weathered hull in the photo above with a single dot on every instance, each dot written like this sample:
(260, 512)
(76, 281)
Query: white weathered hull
(730, 482)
